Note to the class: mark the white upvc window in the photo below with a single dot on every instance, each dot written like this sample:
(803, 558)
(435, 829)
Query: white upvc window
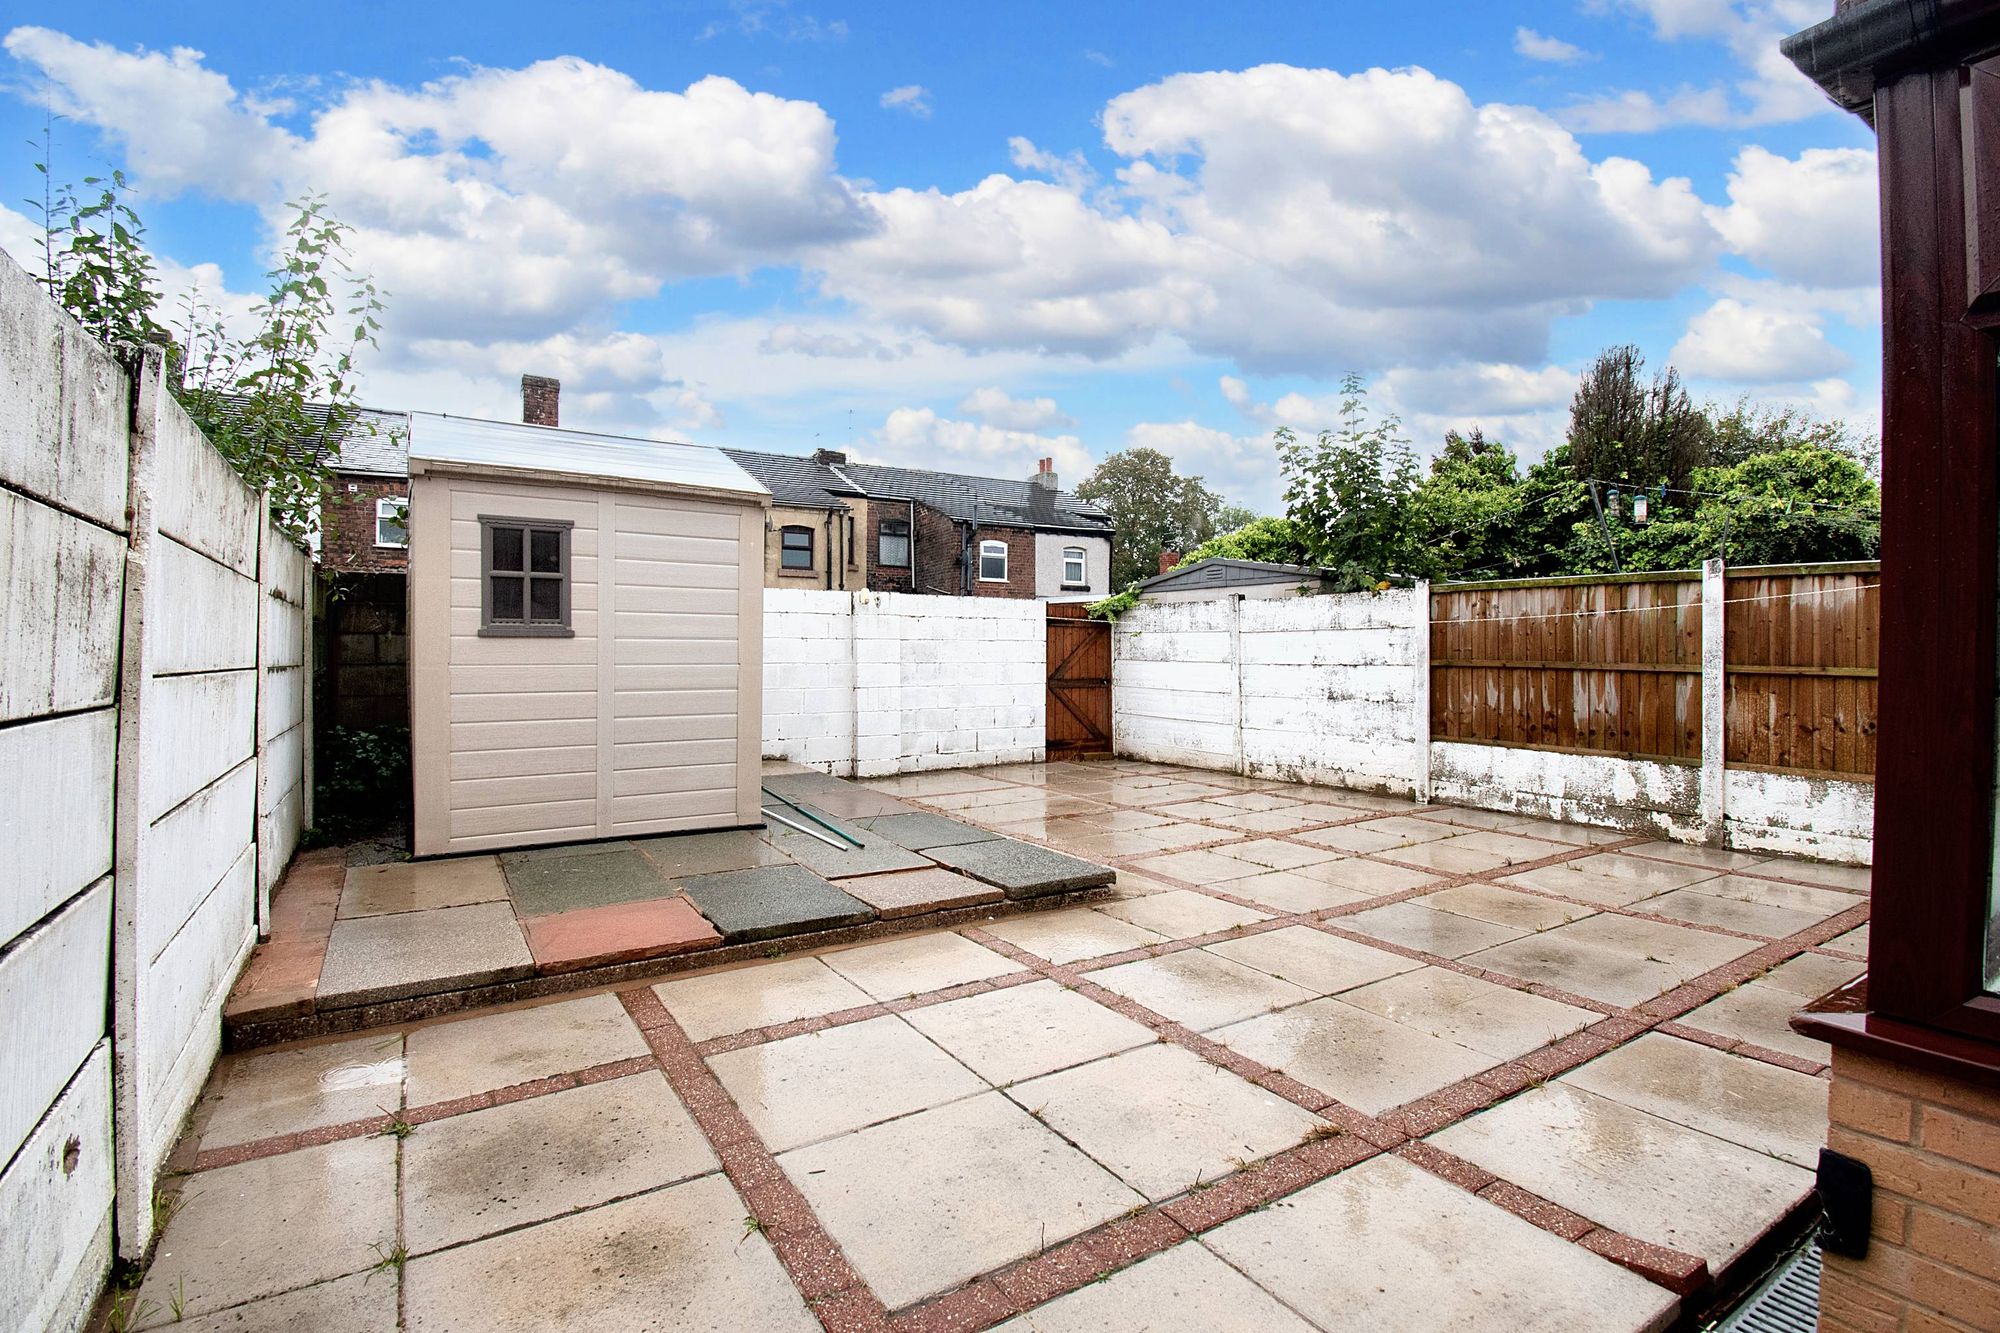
(392, 522)
(1073, 568)
(993, 562)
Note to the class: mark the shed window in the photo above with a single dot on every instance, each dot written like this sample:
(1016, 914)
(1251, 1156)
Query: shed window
(993, 562)
(1073, 567)
(892, 543)
(525, 567)
(795, 548)
(392, 522)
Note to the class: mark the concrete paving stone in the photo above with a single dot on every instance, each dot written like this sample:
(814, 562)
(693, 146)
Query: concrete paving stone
(1749, 1103)
(1854, 941)
(1369, 878)
(1475, 853)
(1362, 1059)
(1580, 967)
(1107, 845)
(1121, 821)
(550, 884)
(1419, 1255)
(1611, 879)
(619, 933)
(1819, 903)
(1693, 854)
(1503, 907)
(1409, 830)
(922, 831)
(1322, 963)
(877, 856)
(1812, 975)
(1465, 817)
(1762, 1013)
(1290, 891)
(1630, 1171)
(1576, 835)
(1200, 989)
(1021, 869)
(770, 901)
(260, 1228)
(1276, 854)
(1852, 879)
(1164, 1120)
(1174, 837)
(822, 1084)
(915, 892)
(1182, 913)
(1258, 800)
(1357, 800)
(1200, 810)
(1204, 867)
(1281, 821)
(374, 958)
(848, 800)
(916, 964)
(1072, 934)
(260, 1094)
(1689, 952)
(1024, 1031)
(1711, 909)
(681, 855)
(412, 886)
(1131, 884)
(678, 1258)
(920, 1204)
(923, 785)
(1490, 1019)
(1182, 1290)
(472, 1175)
(460, 1056)
(1361, 839)
(736, 999)
(357, 1303)
(1445, 934)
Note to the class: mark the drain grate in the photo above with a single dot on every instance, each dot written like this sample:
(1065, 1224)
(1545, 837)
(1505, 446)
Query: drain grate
(1786, 1302)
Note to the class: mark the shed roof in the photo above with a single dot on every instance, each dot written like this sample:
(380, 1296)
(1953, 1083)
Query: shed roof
(463, 444)
(1220, 572)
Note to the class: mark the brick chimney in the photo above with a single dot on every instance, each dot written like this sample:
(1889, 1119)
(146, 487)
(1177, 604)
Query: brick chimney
(1168, 559)
(539, 395)
(832, 457)
(1045, 474)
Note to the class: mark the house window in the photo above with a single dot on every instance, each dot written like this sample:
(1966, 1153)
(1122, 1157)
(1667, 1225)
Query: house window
(392, 522)
(795, 548)
(1073, 568)
(892, 543)
(993, 562)
(524, 569)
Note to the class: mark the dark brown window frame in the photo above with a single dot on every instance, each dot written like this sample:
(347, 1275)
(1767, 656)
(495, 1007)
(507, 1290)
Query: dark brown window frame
(882, 533)
(489, 628)
(812, 561)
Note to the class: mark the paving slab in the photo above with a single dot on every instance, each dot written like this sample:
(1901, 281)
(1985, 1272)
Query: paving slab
(769, 901)
(920, 1204)
(1762, 1013)
(677, 856)
(1024, 1031)
(1200, 867)
(1421, 1256)
(260, 1094)
(1610, 879)
(823, 1084)
(1164, 1120)
(1474, 853)
(1503, 907)
(1445, 934)
(1630, 1171)
(1709, 909)
(1182, 1290)
(374, 958)
(1277, 854)
(916, 892)
(269, 1226)
(1200, 989)
(462, 1056)
(1580, 967)
(1694, 854)
(1362, 1059)
(922, 831)
(1820, 903)
(1183, 914)
(412, 886)
(357, 1303)
(619, 933)
(736, 999)
(1812, 975)
(876, 855)
(1322, 963)
(1022, 870)
(678, 1258)
(915, 964)
(544, 883)
(473, 1175)
(1490, 1019)
(1290, 891)
(1759, 1106)
(1072, 934)
(1371, 878)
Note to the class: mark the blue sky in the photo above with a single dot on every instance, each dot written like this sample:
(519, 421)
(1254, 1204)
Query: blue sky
(970, 236)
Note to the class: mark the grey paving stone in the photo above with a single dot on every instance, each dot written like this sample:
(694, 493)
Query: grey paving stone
(681, 855)
(921, 832)
(546, 883)
(1022, 870)
(769, 901)
(911, 892)
(374, 958)
(876, 856)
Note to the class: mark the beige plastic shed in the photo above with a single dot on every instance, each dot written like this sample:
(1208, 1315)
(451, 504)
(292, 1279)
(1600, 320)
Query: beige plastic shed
(586, 636)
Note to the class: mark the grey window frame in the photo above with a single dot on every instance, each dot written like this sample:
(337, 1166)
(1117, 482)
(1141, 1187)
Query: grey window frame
(403, 502)
(524, 629)
(1082, 580)
(881, 535)
(1005, 560)
(812, 560)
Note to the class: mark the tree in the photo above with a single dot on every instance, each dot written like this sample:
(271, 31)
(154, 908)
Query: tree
(1624, 430)
(1233, 516)
(1346, 490)
(1269, 540)
(1152, 509)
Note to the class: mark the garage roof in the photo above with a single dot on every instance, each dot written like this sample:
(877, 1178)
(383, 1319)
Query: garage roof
(469, 444)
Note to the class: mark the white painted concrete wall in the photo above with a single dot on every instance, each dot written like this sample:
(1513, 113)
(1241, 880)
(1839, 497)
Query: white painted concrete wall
(1049, 548)
(152, 737)
(876, 683)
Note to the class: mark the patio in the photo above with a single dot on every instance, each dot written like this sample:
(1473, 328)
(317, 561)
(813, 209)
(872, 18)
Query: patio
(1317, 1056)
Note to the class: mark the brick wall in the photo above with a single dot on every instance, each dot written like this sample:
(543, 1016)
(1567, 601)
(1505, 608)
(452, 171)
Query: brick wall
(347, 525)
(1020, 563)
(368, 651)
(1933, 1144)
(938, 568)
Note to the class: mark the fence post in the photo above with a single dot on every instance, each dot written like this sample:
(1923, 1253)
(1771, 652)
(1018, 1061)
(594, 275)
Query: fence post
(1420, 656)
(1714, 720)
(1236, 676)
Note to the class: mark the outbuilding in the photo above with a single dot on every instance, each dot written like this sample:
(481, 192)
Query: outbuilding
(1219, 577)
(586, 636)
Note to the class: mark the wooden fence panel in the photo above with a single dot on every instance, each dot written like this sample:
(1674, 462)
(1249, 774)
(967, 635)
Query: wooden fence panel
(1801, 655)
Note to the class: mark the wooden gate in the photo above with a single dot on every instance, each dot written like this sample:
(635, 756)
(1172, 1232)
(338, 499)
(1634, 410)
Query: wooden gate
(1079, 703)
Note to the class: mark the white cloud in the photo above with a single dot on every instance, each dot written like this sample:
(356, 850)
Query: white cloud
(1242, 468)
(912, 98)
(831, 342)
(774, 18)
(1749, 344)
(1069, 170)
(1812, 219)
(1100, 59)
(1479, 390)
(1552, 50)
(1768, 88)
(21, 237)
(997, 407)
(919, 437)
